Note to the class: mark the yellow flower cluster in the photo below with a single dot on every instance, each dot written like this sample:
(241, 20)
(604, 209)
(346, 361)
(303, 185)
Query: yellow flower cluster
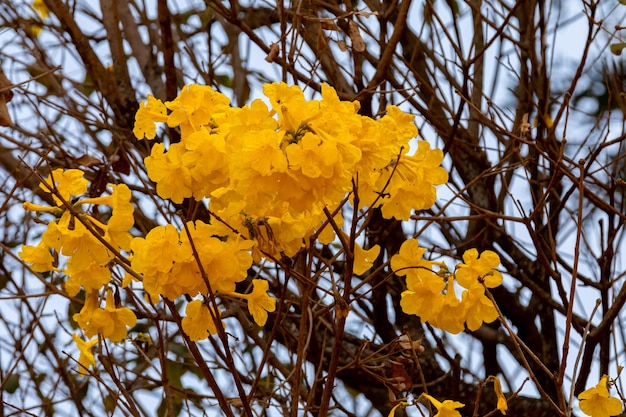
(270, 175)
(432, 295)
(78, 236)
(270, 172)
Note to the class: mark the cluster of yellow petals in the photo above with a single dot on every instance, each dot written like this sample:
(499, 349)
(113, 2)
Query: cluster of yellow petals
(270, 172)
(432, 294)
(79, 236)
(165, 253)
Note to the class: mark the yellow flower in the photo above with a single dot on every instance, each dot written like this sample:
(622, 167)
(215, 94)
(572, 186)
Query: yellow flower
(173, 179)
(39, 257)
(446, 408)
(479, 309)
(40, 7)
(91, 277)
(497, 387)
(363, 259)
(199, 324)
(121, 220)
(77, 242)
(109, 322)
(67, 182)
(195, 106)
(150, 111)
(86, 358)
(419, 272)
(477, 270)
(412, 183)
(596, 401)
(259, 301)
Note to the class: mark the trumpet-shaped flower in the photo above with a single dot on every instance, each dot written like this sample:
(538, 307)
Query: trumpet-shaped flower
(150, 112)
(172, 177)
(444, 409)
(195, 106)
(68, 183)
(479, 309)
(199, 323)
(92, 277)
(597, 402)
(39, 257)
(121, 220)
(86, 358)
(110, 322)
(364, 259)
(478, 270)
(259, 301)
(502, 405)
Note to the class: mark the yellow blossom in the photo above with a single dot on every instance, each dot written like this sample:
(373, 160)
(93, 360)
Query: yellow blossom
(39, 257)
(150, 112)
(110, 322)
(477, 270)
(116, 231)
(502, 405)
(86, 358)
(363, 259)
(597, 402)
(173, 179)
(259, 301)
(68, 183)
(446, 408)
(199, 323)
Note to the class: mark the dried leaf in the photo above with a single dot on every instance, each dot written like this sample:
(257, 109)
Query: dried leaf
(400, 377)
(274, 49)
(406, 343)
(524, 126)
(87, 161)
(343, 47)
(5, 96)
(355, 36)
(329, 25)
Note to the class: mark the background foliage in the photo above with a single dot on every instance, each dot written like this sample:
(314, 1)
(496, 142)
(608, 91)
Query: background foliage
(534, 143)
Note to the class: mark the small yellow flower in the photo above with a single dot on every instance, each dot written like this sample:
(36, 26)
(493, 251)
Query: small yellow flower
(40, 7)
(259, 301)
(86, 358)
(109, 322)
(477, 270)
(502, 405)
(596, 401)
(199, 324)
(150, 112)
(446, 408)
(68, 183)
(363, 259)
(39, 257)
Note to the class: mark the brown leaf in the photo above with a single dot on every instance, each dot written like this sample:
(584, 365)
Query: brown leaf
(87, 161)
(406, 343)
(5, 96)
(329, 25)
(274, 49)
(355, 36)
(401, 379)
